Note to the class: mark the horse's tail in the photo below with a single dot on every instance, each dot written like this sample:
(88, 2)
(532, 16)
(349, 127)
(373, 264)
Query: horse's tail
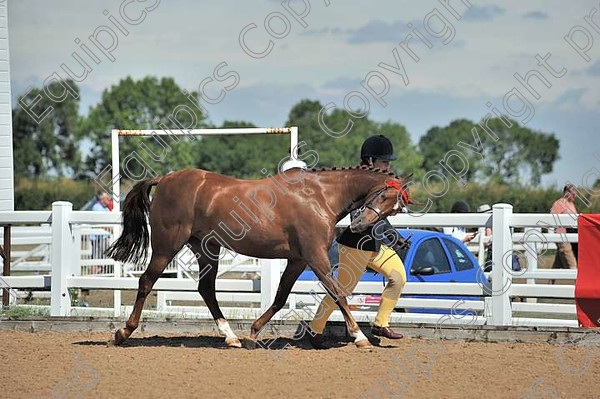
(132, 246)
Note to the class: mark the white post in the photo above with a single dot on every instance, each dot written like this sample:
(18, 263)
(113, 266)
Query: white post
(481, 246)
(501, 254)
(269, 281)
(117, 293)
(76, 254)
(62, 248)
(116, 193)
(161, 301)
(294, 143)
(76, 251)
(532, 258)
(116, 190)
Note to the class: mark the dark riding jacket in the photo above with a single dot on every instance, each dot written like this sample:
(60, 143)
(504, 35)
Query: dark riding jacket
(372, 238)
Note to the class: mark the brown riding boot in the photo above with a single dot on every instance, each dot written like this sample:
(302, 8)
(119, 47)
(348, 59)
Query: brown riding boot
(385, 332)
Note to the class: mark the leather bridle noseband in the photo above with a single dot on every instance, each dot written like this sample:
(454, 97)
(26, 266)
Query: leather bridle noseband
(375, 194)
(370, 199)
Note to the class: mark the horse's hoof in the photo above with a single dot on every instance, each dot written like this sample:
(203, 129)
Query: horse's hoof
(363, 343)
(120, 336)
(250, 344)
(233, 343)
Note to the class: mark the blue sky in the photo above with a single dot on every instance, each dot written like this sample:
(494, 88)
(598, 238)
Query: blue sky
(187, 39)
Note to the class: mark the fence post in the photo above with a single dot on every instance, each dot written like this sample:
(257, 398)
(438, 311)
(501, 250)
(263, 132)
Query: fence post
(62, 249)
(501, 256)
(481, 246)
(161, 301)
(6, 297)
(532, 258)
(270, 273)
(76, 251)
(117, 293)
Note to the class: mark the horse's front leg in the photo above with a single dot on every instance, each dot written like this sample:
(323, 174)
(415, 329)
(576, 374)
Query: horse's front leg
(319, 262)
(294, 268)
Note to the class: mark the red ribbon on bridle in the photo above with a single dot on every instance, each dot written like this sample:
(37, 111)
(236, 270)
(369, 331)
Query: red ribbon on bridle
(397, 186)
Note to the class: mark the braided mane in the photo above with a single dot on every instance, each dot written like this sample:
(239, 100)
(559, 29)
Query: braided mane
(362, 167)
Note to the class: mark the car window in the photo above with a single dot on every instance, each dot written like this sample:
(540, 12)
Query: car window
(460, 258)
(431, 254)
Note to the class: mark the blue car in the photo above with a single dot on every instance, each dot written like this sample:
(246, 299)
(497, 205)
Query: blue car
(432, 257)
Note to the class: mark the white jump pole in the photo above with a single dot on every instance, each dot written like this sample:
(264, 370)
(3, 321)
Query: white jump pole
(207, 132)
(114, 138)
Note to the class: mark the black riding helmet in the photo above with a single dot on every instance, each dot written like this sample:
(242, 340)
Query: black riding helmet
(377, 147)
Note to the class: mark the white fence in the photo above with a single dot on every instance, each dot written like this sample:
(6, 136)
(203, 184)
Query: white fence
(248, 298)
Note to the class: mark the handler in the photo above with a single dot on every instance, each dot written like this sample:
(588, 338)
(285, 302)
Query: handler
(357, 251)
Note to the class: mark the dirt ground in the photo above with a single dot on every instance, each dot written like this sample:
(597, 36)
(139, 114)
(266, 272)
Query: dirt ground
(192, 366)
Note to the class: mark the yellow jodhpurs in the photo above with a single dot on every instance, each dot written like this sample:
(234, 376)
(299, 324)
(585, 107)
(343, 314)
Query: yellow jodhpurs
(353, 263)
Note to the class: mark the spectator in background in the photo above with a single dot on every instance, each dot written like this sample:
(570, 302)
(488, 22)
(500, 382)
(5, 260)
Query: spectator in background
(99, 242)
(102, 203)
(516, 263)
(459, 232)
(565, 257)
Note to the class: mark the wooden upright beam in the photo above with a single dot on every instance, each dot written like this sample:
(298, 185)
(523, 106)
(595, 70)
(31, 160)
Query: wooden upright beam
(5, 252)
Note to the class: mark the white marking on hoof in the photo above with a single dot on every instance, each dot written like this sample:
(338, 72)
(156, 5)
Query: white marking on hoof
(358, 336)
(226, 331)
(360, 340)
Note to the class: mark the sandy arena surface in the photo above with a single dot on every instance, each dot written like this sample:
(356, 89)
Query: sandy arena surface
(192, 366)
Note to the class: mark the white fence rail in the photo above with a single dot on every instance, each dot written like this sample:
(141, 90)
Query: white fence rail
(72, 233)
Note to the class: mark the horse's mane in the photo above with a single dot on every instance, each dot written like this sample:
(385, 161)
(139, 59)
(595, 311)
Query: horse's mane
(365, 168)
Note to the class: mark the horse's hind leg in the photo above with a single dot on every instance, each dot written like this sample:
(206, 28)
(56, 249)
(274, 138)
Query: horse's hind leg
(158, 263)
(206, 288)
(165, 245)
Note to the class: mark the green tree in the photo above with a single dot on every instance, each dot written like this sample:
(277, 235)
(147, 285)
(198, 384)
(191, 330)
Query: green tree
(436, 143)
(519, 155)
(52, 146)
(141, 104)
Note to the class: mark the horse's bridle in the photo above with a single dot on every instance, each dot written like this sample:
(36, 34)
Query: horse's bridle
(375, 194)
(370, 199)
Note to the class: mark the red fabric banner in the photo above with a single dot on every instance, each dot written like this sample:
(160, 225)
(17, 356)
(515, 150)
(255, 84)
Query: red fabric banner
(587, 285)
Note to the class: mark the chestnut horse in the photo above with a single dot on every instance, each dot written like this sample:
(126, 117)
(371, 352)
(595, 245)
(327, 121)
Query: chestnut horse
(291, 215)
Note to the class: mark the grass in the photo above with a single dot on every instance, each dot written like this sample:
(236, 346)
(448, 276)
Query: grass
(22, 311)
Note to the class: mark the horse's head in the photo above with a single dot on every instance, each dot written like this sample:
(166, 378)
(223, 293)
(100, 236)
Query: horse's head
(383, 200)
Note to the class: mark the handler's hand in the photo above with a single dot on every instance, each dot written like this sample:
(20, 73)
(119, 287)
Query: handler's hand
(468, 238)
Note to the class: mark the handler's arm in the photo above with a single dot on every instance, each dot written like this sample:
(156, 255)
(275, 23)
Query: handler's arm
(385, 232)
